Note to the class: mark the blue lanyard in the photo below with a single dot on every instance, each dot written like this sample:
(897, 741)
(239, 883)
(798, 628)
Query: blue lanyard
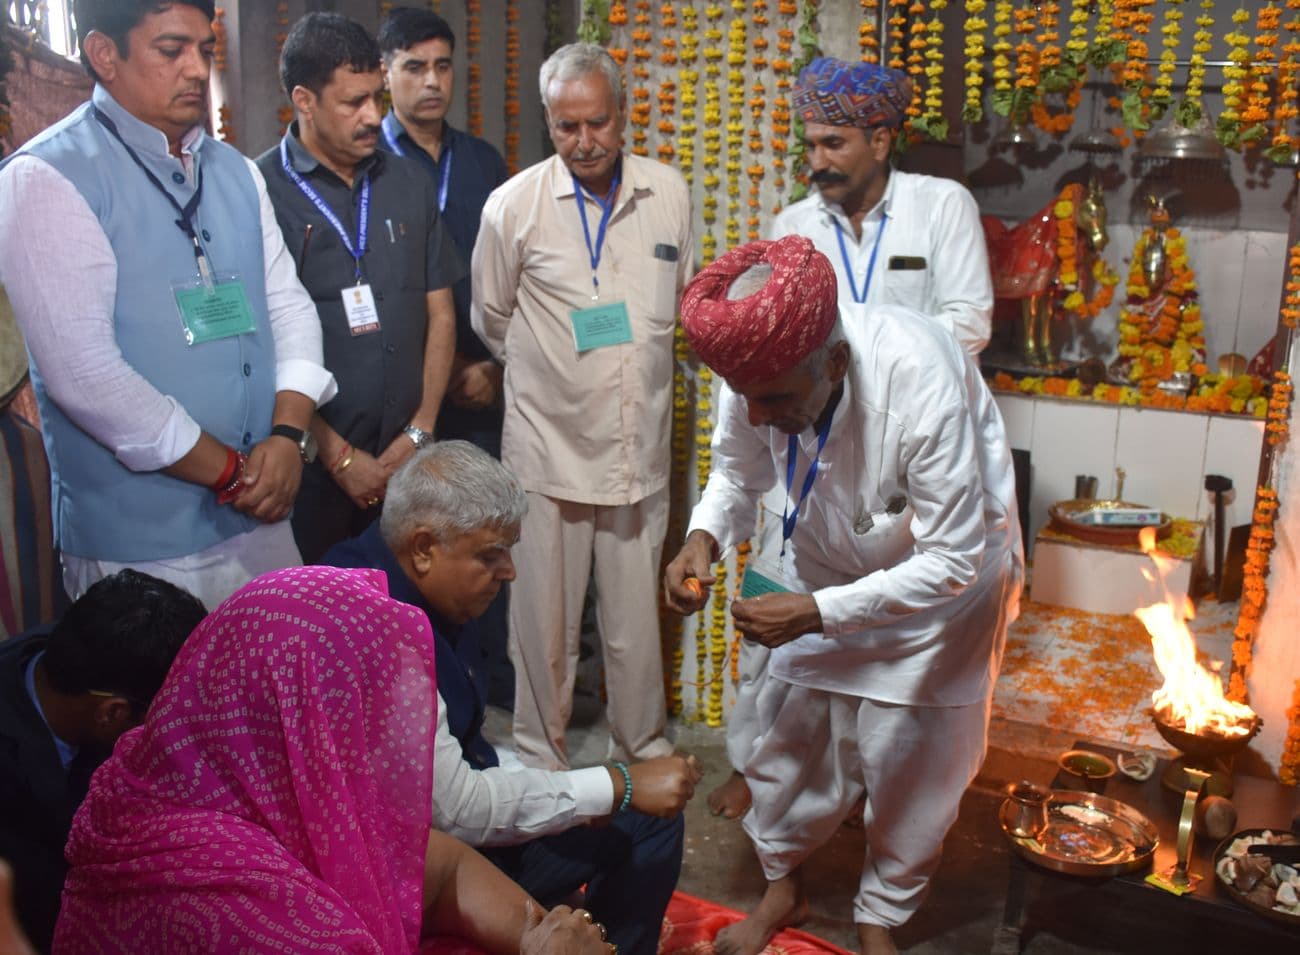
(445, 182)
(606, 210)
(186, 212)
(789, 518)
(871, 264)
(358, 249)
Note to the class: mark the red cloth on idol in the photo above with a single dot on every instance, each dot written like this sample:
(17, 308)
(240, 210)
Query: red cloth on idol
(765, 334)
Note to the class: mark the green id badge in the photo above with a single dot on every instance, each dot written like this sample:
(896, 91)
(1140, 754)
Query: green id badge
(756, 583)
(211, 314)
(600, 325)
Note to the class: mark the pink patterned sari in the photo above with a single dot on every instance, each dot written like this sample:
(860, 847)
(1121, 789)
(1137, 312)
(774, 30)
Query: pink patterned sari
(278, 795)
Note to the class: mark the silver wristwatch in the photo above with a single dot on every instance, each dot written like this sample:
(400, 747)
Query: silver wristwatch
(419, 437)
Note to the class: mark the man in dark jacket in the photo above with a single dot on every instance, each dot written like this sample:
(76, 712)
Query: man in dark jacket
(66, 694)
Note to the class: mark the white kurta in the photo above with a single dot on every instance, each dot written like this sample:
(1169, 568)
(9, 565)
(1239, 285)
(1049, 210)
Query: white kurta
(932, 254)
(891, 701)
(915, 419)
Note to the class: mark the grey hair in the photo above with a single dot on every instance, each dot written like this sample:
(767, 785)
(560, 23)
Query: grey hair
(452, 488)
(576, 60)
(816, 360)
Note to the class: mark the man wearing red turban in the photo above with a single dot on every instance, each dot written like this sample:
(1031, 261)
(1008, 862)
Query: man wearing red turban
(884, 590)
(892, 237)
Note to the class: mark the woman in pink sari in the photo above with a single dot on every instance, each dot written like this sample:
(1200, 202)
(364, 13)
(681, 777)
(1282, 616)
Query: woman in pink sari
(278, 795)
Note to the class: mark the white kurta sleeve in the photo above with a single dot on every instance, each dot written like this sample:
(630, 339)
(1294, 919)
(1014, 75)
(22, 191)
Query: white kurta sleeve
(295, 325)
(741, 472)
(963, 282)
(61, 275)
(497, 807)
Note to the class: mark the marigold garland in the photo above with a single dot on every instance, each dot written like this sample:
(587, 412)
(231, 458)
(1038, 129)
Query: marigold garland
(285, 113)
(1282, 143)
(1228, 129)
(688, 78)
(755, 169)
(1244, 395)
(1190, 108)
(736, 45)
(868, 41)
(511, 105)
(1256, 112)
(1068, 250)
(1170, 37)
(1289, 765)
(972, 110)
(474, 88)
(1279, 409)
(897, 33)
(1254, 591)
(916, 47)
(931, 122)
(1173, 342)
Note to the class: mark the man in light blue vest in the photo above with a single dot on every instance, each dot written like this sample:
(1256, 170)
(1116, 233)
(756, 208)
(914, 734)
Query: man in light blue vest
(175, 355)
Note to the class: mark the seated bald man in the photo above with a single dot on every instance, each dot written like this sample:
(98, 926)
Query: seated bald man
(883, 590)
(451, 515)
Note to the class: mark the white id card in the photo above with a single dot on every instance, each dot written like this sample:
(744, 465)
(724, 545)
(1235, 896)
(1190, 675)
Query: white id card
(359, 306)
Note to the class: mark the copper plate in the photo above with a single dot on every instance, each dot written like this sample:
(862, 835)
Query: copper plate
(1239, 896)
(1087, 834)
(1064, 513)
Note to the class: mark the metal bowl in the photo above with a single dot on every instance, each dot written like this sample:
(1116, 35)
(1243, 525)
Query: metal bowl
(1086, 834)
(1272, 914)
(1197, 746)
(1086, 769)
(1064, 516)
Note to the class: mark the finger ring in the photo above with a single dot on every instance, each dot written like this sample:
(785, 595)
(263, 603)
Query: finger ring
(604, 936)
(613, 949)
(587, 916)
(371, 502)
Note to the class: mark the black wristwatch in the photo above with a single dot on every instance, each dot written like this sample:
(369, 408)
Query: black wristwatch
(305, 440)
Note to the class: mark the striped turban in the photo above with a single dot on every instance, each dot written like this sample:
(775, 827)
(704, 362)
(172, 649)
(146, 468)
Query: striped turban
(838, 93)
(760, 336)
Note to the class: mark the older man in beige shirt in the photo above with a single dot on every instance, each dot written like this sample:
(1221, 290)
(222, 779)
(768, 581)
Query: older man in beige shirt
(578, 267)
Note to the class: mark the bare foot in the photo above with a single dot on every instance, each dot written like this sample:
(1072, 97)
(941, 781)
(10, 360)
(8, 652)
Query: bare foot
(731, 799)
(782, 905)
(875, 940)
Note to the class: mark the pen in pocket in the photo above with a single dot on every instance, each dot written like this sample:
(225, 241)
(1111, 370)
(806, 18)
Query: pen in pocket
(392, 239)
(302, 253)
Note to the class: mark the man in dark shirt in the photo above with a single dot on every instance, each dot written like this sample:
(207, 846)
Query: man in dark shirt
(373, 252)
(444, 542)
(66, 694)
(417, 46)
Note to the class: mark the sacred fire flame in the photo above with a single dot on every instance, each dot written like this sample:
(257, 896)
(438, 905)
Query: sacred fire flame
(1192, 697)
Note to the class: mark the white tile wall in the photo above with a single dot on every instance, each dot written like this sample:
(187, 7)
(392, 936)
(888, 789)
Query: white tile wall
(1069, 439)
(1161, 453)
(1261, 289)
(1165, 454)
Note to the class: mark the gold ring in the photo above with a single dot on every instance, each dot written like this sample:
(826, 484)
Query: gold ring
(372, 502)
(587, 916)
(613, 949)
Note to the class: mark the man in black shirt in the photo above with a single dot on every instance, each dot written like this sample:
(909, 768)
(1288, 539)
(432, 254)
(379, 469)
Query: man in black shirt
(66, 694)
(417, 46)
(373, 252)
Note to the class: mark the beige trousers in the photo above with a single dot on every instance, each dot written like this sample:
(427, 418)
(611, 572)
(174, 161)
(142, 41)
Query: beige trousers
(561, 545)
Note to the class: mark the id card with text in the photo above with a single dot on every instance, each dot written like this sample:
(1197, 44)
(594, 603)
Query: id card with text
(765, 576)
(359, 307)
(600, 326)
(210, 314)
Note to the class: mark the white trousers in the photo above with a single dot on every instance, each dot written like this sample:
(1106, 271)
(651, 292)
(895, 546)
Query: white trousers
(561, 544)
(212, 575)
(822, 751)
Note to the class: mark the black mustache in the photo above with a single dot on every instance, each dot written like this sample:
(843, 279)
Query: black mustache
(826, 177)
(365, 133)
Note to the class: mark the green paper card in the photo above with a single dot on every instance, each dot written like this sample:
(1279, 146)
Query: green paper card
(600, 326)
(755, 584)
(209, 315)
